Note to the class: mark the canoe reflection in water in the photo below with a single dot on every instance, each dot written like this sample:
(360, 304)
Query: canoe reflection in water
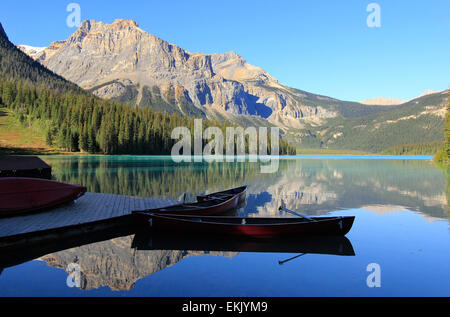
(333, 245)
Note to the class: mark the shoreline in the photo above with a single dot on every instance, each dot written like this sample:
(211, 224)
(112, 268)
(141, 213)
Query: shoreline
(308, 154)
(281, 157)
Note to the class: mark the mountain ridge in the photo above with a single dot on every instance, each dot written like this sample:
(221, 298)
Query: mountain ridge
(2, 32)
(420, 120)
(383, 101)
(387, 101)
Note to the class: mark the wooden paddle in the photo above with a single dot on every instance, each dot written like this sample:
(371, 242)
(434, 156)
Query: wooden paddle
(290, 259)
(283, 207)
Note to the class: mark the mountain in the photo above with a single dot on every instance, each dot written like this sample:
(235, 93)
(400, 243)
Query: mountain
(122, 62)
(2, 32)
(15, 65)
(384, 101)
(73, 119)
(428, 92)
(416, 121)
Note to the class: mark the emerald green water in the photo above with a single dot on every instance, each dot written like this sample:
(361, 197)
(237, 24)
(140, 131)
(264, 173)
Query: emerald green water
(401, 224)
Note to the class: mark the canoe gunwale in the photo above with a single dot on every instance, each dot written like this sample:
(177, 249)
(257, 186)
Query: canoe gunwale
(180, 218)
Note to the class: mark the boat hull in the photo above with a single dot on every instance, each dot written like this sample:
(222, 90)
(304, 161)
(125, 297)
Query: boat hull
(246, 227)
(28, 195)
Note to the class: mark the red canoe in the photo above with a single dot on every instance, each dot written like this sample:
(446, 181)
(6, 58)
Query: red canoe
(27, 195)
(213, 204)
(246, 227)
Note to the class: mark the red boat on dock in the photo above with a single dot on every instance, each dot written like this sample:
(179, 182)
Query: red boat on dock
(19, 196)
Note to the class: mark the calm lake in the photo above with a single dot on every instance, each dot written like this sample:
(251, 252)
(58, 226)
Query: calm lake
(399, 244)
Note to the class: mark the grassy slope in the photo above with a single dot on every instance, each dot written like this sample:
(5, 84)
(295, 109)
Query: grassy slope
(16, 138)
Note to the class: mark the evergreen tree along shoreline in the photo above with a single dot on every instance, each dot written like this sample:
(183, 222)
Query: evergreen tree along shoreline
(443, 156)
(426, 148)
(77, 121)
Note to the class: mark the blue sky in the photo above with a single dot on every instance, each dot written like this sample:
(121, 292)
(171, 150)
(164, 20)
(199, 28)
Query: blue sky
(320, 46)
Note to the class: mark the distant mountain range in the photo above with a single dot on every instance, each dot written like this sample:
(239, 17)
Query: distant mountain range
(122, 62)
(383, 101)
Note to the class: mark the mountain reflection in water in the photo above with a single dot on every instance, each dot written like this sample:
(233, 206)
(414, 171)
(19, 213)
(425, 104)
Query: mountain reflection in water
(314, 186)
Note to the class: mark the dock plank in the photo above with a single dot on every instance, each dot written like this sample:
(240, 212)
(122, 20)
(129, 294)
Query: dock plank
(94, 212)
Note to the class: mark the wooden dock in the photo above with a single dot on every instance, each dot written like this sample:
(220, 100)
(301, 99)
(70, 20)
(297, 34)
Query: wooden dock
(24, 166)
(91, 212)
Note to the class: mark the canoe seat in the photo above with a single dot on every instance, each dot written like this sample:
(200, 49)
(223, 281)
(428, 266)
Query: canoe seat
(214, 197)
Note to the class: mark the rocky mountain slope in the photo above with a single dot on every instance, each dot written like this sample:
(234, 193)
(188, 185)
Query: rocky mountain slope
(120, 61)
